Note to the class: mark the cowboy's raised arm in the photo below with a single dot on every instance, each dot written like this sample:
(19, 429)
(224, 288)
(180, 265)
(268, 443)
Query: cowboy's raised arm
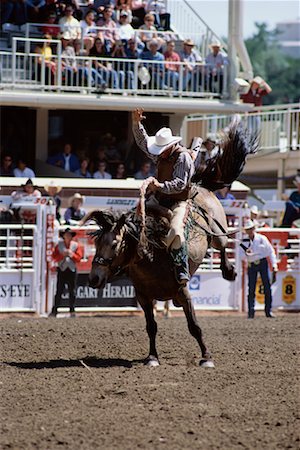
(139, 132)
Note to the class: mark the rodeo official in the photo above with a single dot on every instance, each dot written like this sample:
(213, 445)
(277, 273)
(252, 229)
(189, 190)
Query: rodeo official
(66, 253)
(175, 169)
(256, 249)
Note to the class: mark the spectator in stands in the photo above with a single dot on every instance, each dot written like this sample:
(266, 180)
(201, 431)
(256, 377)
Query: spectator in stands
(28, 190)
(66, 160)
(138, 12)
(101, 172)
(292, 207)
(215, 62)
(110, 34)
(172, 68)
(144, 172)
(121, 66)
(53, 189)
(88, 29)
(104, 68)
(83, 172)
(254, 213)
(258, 89)
(35, 9)
(85, 72)
(256, 249)
(7, 167)
(149, 31)
(22, 170)
(13, 11)
(156, 70)
(44, 49)
(67, 254)
(75, 212)
(123, 6)
(50, 27)
(120, 172)
(100, 5)
(132, 52)
(69, 24)
(192, 71)
(159, 10)
(125, 30)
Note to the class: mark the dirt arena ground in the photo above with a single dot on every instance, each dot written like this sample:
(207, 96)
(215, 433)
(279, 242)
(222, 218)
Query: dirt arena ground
(80, 384)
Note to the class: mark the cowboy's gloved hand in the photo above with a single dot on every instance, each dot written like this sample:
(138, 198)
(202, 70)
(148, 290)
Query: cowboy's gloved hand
(137, 115)
(154, 185)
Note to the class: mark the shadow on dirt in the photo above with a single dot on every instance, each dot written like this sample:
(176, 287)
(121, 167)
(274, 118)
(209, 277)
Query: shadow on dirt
(58, 363)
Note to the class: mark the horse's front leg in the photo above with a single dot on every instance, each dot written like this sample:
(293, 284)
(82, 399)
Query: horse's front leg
(185, 300)
(151, 327)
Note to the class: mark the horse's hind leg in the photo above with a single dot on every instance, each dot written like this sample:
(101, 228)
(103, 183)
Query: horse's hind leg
(194, 328)
(151, 326)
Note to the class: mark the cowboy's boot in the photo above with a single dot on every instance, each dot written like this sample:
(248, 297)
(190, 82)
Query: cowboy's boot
(181, 265)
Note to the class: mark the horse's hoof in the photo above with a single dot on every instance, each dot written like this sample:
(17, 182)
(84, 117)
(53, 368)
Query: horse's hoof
(151, 362)
(207, 363)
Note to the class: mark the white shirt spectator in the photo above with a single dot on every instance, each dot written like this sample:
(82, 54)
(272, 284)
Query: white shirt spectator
(102, 175)
(26, 173)
(258, 248)
(71, 25)
(156, 6)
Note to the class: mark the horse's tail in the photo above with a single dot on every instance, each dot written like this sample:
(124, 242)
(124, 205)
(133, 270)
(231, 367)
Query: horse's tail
(235, 145)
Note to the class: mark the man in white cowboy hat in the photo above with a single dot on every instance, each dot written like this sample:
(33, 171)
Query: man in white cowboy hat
(215, 62)
(53, 189)
(75, 212)
(175, 169)
(66, 253)
(258, 89)
(292, 207)
(192, 70)
(256, 251)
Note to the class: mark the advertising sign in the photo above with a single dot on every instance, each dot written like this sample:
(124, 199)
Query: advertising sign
(118, 293)
(210, 291)
(16, 291)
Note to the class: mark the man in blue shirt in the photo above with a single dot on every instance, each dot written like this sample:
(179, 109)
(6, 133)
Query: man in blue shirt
(66, 160)
(156, 70)
(292, 207)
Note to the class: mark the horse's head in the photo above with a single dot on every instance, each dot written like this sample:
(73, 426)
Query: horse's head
(104, 264)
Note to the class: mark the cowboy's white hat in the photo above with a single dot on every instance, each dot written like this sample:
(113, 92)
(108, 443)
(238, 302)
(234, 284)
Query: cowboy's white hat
(254, 209)
(161, 141)
(257, 80)
(76, 196)
(216, 43)
(249, 224)
(54, 185)
(296, 180)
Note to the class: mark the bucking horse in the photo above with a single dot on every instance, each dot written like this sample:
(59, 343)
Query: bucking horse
(120, 247)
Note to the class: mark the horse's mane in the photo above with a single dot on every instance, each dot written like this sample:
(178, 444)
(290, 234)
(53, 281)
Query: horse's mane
(235, 145)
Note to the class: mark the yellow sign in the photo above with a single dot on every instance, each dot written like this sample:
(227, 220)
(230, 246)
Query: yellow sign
(259, 291)
(289, 289)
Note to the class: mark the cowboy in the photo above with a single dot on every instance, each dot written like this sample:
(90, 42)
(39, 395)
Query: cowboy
(75, 212)
(66, 253)
(29, 190)
(53, 189)
(175, 169)
(256, 249)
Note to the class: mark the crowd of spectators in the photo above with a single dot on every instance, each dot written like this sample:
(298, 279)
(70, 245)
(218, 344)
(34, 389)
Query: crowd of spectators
(115, 29)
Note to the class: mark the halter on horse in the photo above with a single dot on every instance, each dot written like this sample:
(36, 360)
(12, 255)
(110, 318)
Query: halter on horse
(117, 243)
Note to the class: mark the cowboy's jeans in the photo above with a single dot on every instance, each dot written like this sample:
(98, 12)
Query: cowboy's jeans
(253, 270)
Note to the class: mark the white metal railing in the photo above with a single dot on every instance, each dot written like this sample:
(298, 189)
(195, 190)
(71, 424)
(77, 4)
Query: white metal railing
(186, 21)
(17, 246)
(278, 126)
(83, 73)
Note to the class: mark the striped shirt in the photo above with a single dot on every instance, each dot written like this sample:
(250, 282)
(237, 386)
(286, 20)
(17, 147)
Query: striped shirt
(183, 168)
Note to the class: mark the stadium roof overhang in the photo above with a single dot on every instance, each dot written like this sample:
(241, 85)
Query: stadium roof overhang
(119, 102)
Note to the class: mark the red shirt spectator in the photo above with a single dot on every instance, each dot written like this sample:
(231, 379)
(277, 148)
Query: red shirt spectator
(258, 89)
